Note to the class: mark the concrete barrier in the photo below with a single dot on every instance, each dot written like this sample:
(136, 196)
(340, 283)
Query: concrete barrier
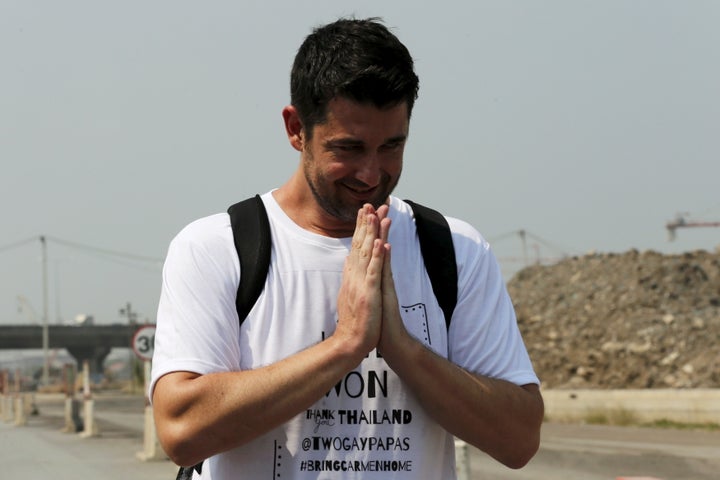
(649, 405)
(23, 408)
(152, 450)
(6, 405)
(16, 405)
(90, 427)
(73, 422)
(20, 417)
(462, 460)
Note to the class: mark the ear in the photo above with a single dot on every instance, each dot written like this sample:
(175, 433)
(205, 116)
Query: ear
(293, 127)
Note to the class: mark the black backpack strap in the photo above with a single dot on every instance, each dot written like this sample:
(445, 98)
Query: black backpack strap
(186, 473)
(438, 254)
(251, 233)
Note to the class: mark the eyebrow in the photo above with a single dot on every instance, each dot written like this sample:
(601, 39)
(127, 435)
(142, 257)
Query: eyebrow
(354, 142)
(396, 139)
(343, 142)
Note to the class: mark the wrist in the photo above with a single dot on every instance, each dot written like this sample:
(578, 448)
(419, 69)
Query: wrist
(348, 348)
(399, 348)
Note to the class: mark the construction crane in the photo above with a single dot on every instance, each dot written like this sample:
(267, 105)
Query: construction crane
(682, 222)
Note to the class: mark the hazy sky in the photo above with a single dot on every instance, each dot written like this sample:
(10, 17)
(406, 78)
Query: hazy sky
(589, 124)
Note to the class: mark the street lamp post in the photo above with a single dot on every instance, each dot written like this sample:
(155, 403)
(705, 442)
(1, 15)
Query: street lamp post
(45, 335)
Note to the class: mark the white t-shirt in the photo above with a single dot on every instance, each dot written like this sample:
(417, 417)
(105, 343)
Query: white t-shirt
(369, 425)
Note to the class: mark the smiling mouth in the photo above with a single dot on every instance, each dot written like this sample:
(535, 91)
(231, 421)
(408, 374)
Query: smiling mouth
(361, 193)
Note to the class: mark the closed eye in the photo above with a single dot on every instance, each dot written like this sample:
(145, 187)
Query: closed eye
(348, 148)
(393, 145)
(345, 147)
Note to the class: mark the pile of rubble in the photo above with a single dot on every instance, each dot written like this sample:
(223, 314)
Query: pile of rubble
(630, 320)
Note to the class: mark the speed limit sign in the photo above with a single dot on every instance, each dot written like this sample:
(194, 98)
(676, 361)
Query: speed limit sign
(143, 342)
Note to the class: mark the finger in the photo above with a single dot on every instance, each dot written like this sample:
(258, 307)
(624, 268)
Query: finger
(382, 211)
(358, 237)
(372, 228)
(375, 270)
(385, 225)
(359, 232)
(388, 283)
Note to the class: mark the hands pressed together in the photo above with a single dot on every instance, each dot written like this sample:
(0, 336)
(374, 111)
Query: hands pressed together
(368, 312)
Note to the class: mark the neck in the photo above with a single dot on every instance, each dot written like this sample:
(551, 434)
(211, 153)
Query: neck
(300, 206)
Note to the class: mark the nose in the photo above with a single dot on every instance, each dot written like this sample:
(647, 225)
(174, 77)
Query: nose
(369, 171)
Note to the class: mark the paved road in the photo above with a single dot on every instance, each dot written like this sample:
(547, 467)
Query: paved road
(605, 453)
(41, 451)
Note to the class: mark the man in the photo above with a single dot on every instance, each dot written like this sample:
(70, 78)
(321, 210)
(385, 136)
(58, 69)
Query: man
(344, 368)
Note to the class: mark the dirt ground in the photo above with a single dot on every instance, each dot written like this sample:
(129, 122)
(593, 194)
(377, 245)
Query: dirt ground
(623, 320)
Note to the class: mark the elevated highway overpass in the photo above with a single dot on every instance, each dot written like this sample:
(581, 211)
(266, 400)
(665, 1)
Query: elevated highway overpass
(85, 342)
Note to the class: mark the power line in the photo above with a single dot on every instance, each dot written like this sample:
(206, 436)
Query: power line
(503, 236)
(551, 245)
(107, 254)
(104, 251)
(144, 266)
(523, 233)
(18, 244)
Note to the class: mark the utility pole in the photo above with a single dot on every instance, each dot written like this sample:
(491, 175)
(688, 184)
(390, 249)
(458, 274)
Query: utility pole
(128, 312)
(45, 328)
(524, 245)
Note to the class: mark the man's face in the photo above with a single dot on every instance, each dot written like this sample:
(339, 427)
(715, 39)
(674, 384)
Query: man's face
(356, 156)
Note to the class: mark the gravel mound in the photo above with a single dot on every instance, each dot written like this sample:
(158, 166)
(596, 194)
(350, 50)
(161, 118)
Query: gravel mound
(630, 320)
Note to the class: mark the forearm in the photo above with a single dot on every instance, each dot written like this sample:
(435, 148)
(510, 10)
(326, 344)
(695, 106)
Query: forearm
(198, 416)
(498, 417)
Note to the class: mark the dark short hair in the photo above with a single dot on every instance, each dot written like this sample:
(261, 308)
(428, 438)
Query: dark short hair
(360, 60)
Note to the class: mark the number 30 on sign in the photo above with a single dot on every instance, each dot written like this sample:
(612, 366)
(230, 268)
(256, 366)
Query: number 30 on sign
(143, 342)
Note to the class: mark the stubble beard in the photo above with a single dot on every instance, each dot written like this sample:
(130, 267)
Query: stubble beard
(331, 202)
